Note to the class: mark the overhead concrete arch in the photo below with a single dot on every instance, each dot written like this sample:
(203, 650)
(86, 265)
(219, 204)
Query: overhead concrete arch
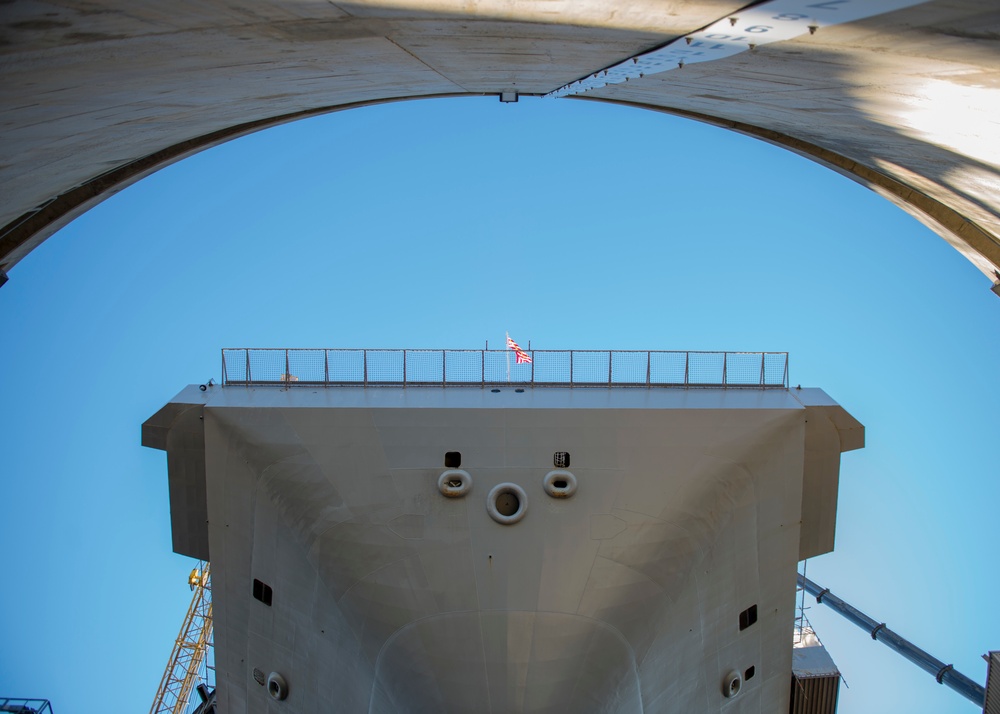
(98, 95)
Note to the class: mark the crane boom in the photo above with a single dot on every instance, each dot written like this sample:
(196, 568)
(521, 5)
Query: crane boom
(190, 648)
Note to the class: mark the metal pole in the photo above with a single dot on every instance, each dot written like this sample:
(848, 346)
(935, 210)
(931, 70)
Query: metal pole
(725, 356)
(248, 364)
(649, 359)
(507, 351)
(610, 360)
(943, 673)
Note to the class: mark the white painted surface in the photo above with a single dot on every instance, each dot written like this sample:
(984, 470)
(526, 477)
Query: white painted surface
(741, 31)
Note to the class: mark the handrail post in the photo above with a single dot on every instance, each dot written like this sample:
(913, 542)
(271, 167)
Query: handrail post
(687, 365)
(532, 369)
(610, 361)
(326, 366)
(763, 360)
(649, 360)
(364, 357)
(571, 368)
(404, 368)
(444, 373)
(482, 367)
(223, 368)
(725, 355)
(288, 373)
(247, 353)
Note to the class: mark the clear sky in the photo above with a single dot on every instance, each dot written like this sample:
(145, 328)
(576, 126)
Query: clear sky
(444, 223)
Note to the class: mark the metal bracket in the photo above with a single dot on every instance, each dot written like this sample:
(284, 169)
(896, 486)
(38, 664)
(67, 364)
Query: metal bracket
(877, 630)
(943, 671)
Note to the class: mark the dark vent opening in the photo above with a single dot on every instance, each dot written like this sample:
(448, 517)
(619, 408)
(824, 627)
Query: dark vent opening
(262, 592)
(748, 617)
(561, 459)
(559, 483)
(751, 671)
(453, 459)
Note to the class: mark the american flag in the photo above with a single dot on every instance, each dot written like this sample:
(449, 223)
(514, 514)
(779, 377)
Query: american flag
(522, 356)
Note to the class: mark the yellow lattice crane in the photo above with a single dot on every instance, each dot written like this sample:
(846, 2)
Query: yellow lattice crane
(190, 649)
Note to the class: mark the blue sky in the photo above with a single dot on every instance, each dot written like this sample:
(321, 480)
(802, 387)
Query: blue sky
(444, 223)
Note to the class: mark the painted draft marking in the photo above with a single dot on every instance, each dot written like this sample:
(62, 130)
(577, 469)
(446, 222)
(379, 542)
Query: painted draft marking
(747, 29)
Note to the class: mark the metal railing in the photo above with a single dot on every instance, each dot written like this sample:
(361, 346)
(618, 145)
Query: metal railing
(554, 368)
(25, 706)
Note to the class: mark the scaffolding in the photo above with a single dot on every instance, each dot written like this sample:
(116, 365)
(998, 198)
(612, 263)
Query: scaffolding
(192, 656)
(803, 635)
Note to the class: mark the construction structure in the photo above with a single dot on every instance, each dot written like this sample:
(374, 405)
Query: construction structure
(944, 673)
(190, 658)
(815, 677)
(992, 705)
(9, 705)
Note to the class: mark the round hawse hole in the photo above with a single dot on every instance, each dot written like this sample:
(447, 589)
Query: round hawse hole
(731, 685)
(507, 503)
(277, 687)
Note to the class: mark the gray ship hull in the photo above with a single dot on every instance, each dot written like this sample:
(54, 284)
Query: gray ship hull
(386, 595)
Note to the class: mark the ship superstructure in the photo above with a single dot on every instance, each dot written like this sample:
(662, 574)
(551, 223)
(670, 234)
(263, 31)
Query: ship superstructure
(611, 541)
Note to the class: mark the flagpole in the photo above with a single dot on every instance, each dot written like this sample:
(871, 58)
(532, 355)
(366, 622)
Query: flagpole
(507, 350)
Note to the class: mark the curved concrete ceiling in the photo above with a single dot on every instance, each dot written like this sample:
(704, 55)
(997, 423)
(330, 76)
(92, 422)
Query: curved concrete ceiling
(97, 95)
